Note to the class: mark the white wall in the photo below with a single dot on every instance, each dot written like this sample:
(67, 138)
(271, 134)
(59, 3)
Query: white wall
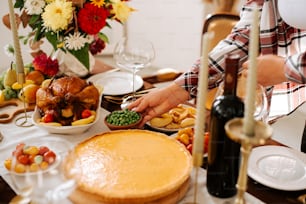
(7, 38)
(174, 27)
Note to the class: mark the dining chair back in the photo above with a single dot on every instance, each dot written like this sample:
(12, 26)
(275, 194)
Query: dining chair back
(221, 25)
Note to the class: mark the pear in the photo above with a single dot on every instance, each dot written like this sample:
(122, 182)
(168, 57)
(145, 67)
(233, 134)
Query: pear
(6, 20)
(10, 77)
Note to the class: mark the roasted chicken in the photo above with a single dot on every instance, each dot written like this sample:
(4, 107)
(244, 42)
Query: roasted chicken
(66, 98)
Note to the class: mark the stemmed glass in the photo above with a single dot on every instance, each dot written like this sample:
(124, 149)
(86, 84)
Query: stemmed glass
(37, 185)
(261, 103)
(133, 54)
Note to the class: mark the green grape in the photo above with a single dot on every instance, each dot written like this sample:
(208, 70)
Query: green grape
(9, 93)
(1, 80)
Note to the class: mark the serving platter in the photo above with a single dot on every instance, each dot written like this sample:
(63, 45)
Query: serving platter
(116, 83)
(278, 167)
(174, 130)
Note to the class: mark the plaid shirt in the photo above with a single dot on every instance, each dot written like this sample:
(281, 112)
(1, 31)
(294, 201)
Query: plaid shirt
(276, 37)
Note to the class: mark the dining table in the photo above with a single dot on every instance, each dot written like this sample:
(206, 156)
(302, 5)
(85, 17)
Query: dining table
(256, 192)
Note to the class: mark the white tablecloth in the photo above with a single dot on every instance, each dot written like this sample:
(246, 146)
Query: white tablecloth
(14, 135)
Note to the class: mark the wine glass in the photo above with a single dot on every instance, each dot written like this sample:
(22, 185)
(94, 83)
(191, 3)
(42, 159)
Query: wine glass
(133, 54)
(38, 182)
(261, 104)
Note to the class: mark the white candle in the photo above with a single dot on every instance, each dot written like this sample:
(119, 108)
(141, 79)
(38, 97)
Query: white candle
(198, 142)
(17, 52)
(249, 121)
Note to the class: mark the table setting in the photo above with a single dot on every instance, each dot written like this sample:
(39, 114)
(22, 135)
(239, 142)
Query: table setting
(44, 159)
(12, 135)
(57, 188)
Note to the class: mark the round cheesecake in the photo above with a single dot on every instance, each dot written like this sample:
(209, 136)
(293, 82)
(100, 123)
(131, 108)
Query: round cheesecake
(129, 166)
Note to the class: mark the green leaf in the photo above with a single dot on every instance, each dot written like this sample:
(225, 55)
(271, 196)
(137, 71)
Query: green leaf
(34, 20)
(19, 4)
(82, 55)
(103, 37)
(39, 34)
(52, 38)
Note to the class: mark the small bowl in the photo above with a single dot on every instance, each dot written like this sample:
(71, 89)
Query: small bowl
(122, 127)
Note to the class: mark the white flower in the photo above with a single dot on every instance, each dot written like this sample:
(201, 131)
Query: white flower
(33, 7)
(9, 50)
(75, 41)
(89, 38)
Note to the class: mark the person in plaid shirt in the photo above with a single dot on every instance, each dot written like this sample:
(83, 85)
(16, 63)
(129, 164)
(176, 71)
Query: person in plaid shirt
(282, 58)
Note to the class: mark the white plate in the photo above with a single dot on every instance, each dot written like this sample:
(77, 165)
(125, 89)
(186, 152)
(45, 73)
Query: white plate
(168, 130)
(278, 167)
(116, 83)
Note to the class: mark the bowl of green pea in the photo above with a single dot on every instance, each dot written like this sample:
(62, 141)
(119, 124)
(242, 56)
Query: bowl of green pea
(123, 119)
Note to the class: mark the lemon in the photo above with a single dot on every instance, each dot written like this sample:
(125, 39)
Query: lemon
(2, 97)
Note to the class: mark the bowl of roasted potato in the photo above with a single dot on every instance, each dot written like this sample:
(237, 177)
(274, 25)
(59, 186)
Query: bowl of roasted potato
(175, 119)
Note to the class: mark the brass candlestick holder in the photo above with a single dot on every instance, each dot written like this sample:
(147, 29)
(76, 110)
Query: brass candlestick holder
(234, 129)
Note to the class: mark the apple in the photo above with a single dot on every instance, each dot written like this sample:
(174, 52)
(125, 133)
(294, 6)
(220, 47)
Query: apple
(36, 76)
(28, 93)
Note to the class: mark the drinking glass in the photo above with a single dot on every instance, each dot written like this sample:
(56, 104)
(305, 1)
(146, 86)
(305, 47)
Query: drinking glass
(133, 54)
(261, 104)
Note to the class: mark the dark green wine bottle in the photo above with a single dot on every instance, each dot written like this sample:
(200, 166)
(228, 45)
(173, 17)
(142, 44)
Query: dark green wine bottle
(224, 153)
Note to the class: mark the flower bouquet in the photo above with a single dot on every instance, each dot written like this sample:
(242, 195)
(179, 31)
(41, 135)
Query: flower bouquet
(72, 27)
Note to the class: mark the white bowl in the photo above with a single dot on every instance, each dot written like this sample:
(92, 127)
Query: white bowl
(66, 130)
(293, 12)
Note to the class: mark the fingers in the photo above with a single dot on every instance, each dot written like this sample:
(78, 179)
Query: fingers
(134, 105)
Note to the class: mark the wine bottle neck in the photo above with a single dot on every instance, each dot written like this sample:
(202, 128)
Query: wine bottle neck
(231, 74)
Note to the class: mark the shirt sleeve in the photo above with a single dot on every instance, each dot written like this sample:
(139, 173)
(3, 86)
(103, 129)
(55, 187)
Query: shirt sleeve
(295, 68)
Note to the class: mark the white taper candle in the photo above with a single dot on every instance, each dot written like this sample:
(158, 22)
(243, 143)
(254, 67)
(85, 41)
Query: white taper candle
(198, 142)
(17, 50)
(249, 120)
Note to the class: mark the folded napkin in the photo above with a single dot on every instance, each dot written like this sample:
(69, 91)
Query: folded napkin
(288, 130)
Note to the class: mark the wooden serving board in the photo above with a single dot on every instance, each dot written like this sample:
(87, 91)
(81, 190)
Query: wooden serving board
(80, 197)
(9, 109)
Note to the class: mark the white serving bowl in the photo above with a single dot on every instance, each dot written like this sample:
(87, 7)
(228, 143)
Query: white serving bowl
(293, 12)
(66, 130)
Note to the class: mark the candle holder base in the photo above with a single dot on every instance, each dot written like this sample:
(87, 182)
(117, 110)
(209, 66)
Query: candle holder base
(234, 129)
(24, 121)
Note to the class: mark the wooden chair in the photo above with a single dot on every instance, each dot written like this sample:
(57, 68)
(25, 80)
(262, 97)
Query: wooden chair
(221, 24)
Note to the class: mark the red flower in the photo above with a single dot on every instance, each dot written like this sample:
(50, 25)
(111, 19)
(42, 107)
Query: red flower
(96, 46)
(46, 65)
(92, 19)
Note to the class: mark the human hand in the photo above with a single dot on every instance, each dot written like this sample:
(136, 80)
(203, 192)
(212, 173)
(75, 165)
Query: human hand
(159, 101)
(270, 70)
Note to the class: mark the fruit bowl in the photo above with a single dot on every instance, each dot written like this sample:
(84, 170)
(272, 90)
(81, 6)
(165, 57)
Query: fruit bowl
(47, 153)
(122, 120)
(32, 177)
(66, 130)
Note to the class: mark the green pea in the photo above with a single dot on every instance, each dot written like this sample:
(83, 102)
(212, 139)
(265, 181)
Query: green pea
(123, 117)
